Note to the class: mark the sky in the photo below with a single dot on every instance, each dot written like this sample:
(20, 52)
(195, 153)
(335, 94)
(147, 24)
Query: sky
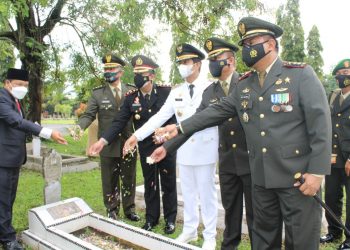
(331, 18)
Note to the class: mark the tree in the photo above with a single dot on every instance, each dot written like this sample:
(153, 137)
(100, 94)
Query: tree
(314, 49)
(292, 41)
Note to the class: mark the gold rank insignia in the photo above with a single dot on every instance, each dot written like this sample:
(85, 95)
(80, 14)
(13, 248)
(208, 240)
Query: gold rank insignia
(246, 90)
(346, 82)
(253, 53)
(209, 45)
(241, 28)
(137, 117)
(279, 81)
(179, 48)
(244, 104)
(281, 89)
(108, 58)
(287, 80)
(139, 61)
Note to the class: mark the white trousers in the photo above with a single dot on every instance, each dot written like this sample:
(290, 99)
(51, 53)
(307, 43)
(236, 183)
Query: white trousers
(198, 188)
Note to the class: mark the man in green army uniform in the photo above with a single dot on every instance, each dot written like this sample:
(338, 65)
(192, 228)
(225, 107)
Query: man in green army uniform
(284, 112)
(339, 102)
(118, 174)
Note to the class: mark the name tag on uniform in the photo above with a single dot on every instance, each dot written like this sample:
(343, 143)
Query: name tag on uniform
(106, 101)
(178, 99)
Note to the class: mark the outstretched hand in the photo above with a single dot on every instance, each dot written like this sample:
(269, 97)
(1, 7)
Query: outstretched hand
(158, 154)
(57, 137)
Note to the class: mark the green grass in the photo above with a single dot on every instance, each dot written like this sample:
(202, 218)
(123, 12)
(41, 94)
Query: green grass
(87, 185)
(58, 121)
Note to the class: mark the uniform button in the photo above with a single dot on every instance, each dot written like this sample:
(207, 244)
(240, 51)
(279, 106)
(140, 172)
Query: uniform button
(335, 136)
(150, 110)
(232, 132)
(262, 133)
(297, 151)
(335, 146)
(248, 151)
(262, 115)
(337, 125)
(220, 145)
(230, 119)
(339, 114)
(234, 145)
(120, 134)
(261, 98)
(264, 150)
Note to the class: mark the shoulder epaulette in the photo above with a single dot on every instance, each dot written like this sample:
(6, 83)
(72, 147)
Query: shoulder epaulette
(131, 91)
(294, 64)
(245, 75)
(98, 87)
(164, 85)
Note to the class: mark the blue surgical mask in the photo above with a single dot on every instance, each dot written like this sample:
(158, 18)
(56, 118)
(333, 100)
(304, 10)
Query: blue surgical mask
(110, 77)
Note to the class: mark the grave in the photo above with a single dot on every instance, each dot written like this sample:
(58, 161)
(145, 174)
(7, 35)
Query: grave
(57, 225)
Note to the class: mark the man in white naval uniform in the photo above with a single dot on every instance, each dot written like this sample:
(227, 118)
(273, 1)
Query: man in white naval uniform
(196, 158)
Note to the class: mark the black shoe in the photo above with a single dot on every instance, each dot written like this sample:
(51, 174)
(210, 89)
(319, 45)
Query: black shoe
(133, 217)
(169, 228)
(330, 238)
(13, 245)
(344, 246)
(112, 214)
(148, 226)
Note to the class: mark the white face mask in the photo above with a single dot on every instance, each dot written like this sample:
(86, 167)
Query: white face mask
(19, 92)
(185, 70)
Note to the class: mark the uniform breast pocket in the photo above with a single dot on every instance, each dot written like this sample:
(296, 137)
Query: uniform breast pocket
(295, 150)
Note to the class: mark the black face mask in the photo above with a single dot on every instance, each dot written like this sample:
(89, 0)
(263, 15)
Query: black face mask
(252, 54)
(110, 77)
(216, 66)
(343, 80)
(140, 80)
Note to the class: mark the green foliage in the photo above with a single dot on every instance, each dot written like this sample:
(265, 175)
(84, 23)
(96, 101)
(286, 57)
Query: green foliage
(329, 83)
(314, 49)
(64, 109)
(292, 41)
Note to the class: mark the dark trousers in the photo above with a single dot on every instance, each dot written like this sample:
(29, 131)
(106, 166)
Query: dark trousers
(119, 183)
(334, 199)
(8, 189)
(166, 170)
(232, 189)
(301, 216)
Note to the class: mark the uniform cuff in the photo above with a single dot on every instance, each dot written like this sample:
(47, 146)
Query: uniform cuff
(105, 142)
(138, 136)
(45, 133)
(318, 175)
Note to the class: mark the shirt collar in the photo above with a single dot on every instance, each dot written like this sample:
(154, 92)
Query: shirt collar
(119, 86)
(228, 79)
(270, 66)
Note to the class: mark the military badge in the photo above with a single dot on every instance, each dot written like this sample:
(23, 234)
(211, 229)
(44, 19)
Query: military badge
(108, 58)
(136, 100)
(245, 117)
(281, 103)
(209, 45)
(347, 81)
(279, 81)
(253, 53)
(246, 90)
(139, 61)
(287, 80)
(137, 117)
(241, 28)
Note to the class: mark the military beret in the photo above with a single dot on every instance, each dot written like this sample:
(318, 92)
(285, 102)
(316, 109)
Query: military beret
(112, 61)
(143, 64)
(251, 26)
(343, 64)
(17, 74)
(215, 46)
(187, 51)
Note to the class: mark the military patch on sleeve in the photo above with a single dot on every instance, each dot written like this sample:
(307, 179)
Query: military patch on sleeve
(294, 64)
(245, 75)
(131, 91)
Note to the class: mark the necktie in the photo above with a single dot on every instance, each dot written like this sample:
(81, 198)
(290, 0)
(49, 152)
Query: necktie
(262, 76)
(147, 98)
(225, 87)
(191, 86)
(18, 106)
(117, 97)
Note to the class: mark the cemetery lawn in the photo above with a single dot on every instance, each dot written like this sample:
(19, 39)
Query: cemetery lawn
(87, 185)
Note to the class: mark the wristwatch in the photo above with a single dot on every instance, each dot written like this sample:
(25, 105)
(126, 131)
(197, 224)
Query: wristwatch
(179, 128)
